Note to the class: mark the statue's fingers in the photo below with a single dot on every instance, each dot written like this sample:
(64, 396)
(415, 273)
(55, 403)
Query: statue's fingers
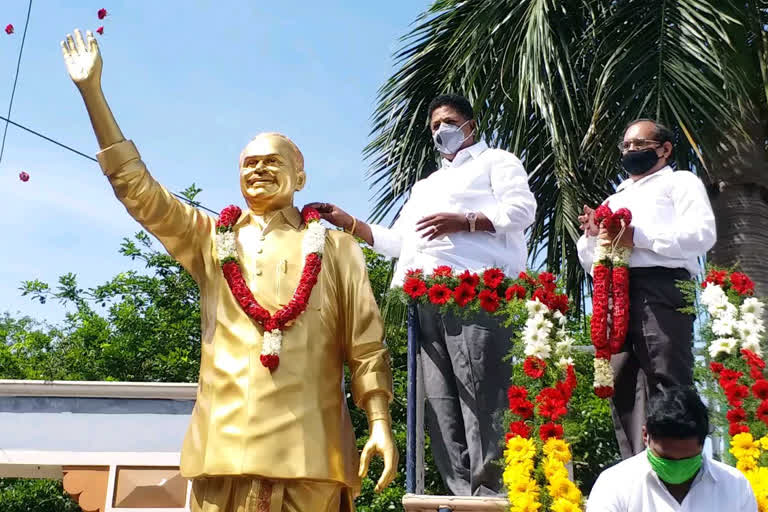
(93, 44)
(71, 45)
(81, 48)
(365, 460)
(65, 50)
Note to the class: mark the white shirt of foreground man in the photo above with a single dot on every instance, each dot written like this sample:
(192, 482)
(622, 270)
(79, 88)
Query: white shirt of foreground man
(632, 486)
(480, 179)
(672, 217)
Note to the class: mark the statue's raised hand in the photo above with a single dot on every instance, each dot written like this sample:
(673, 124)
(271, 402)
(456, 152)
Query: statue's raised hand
(83, 59)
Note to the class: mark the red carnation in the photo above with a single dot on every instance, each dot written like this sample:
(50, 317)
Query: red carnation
(534, 367)
(549, 430)
(414, 272)
(547, 280)
(717, 277)
(525, 277)
(439, 294)
(560, 303)
(727, 376)
(760, 389)
(100, 30)
(442, 271)
(469, 278)
(552, 409)
(735, 393)
(515, 292)
(414, 287)
(463, 294)
(752, 358)
(516, 392)
(519, 428)
(493, 277)
(742, 284)
(604, 391)
(9, 29)
(23, 176)
(762, 412)
(309, 214)
(737, 428)
(756, 373)
(716, 367)
(489, 300)
(570, 377)
(270, 361)
(102, 14)
(523, 408)
(229, 216)
(736, 415)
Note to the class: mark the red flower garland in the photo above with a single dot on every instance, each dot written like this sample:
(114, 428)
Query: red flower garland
(239, 288)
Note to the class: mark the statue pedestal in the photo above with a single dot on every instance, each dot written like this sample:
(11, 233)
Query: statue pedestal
(423, 503)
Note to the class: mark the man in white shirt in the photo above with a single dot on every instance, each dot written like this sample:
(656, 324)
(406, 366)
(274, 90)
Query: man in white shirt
(672, 474)
(672, 225)
(471, 215)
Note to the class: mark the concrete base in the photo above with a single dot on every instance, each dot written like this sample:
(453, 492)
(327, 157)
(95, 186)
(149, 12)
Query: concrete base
(421, 503)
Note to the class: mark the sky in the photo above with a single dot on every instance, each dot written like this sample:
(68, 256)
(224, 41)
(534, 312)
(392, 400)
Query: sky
(190, 83)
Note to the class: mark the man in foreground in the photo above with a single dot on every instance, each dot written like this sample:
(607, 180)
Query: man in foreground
(672, 474)
(469, 215)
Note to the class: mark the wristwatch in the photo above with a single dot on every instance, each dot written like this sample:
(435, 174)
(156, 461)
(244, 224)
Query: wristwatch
(472, 219)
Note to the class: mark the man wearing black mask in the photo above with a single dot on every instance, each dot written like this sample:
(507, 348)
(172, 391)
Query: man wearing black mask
(672, 225)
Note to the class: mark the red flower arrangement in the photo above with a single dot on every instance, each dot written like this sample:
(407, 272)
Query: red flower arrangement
(439, 294)
(534, 367)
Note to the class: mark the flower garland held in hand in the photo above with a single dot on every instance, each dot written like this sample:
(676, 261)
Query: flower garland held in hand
(273, 323)
(610, 297)
(735, 332)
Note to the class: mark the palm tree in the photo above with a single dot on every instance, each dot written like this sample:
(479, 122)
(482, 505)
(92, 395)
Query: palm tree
(556, 81)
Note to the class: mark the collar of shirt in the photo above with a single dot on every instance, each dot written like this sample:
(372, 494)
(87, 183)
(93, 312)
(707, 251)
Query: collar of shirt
(288, 215)
(466, 154)
(629, 182)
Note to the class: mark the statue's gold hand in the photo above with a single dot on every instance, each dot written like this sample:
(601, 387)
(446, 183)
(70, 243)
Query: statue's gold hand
(381, 442)
(83, 60)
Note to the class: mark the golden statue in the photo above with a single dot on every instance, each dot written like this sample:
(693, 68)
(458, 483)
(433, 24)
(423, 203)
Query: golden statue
(262, 437)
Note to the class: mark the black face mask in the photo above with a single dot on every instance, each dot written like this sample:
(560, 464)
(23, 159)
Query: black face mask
(639, 162)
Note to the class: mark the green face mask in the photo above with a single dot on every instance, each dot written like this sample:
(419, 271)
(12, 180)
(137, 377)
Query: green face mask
(674, 471)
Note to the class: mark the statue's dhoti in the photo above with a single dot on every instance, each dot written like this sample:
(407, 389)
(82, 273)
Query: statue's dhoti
(250, 494)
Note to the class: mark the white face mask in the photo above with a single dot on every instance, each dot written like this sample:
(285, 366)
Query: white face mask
(449, 138)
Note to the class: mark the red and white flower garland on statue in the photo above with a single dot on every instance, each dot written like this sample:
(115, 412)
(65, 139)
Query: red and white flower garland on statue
(610, 297)
(273, 324)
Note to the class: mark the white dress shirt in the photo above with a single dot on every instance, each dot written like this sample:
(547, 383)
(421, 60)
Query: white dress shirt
(482, 180)
(672, 217)
(632, 486)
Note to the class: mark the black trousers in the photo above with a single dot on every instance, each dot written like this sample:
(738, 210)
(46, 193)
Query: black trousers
(658, 351)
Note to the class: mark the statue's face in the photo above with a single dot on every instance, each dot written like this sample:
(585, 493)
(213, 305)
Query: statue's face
(268, 174)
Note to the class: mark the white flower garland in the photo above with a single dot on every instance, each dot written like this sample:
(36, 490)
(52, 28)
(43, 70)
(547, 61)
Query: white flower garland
(735, 326)
(544, 334)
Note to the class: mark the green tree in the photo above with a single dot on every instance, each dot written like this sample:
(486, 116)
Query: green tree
(557, 81)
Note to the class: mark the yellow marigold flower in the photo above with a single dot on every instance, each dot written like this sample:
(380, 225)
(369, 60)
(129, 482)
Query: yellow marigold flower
(557, 449)
(563, 505)
(746, 464)
(563, 488)
(553, 468)
(519, 448)
(743, 441)
(527, 502)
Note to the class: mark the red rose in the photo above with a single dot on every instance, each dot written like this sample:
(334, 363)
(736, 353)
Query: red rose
(523, 408)
(736, 415)
(603, 353)
(463, 294)
(270, 361)
(549, 430)
(439, 294)
(515, 292)
(414, 287)
(603, 213)
(229, 216)
(762, 412)
(760, 389)
(742, 284)
(309, 214)
(442, 271)
(519, 428)
(102, 14)
(9, 29)
(534, 367)
(469, 278)
(623, 214)
(100, 30)
(516, 392)
(493, 277)
(716, 276)
(23, 176)
(737, 428)
(716, 367)
(489, 300)
(604, 391)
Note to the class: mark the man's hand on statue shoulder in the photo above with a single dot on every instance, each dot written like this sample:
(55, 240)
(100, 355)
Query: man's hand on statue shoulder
(333, 214)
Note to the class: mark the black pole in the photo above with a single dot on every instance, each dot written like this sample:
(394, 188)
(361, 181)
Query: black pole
(410, 452)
